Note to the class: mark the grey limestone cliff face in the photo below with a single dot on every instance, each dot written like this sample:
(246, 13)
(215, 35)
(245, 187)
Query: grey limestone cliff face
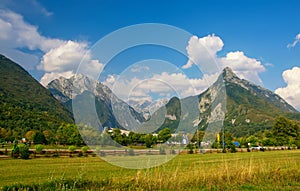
(107, 104)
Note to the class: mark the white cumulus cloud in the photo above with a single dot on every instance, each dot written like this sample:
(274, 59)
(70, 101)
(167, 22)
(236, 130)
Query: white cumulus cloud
(203, 53)
(67, 57)
(64, 57)
(296, 40)
(243, 66)
(16, 33)
(61, 57)
(291, 93)
(163, 84)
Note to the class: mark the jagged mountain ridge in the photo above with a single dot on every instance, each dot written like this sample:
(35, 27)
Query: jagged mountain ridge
(64, 90)
(79, 86)
(147, 108)
(249, 108)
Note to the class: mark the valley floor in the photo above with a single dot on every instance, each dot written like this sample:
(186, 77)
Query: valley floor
(276, 170)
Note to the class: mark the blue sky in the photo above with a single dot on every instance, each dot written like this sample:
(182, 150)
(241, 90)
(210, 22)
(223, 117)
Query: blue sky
(261, 35)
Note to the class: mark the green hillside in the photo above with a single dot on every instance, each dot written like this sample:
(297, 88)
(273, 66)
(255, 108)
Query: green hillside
(25, 104)
(252, 108)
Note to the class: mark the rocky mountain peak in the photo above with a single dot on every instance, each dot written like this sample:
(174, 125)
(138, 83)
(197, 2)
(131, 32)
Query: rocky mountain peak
(65, 89)
(229, 75)
(78, 87)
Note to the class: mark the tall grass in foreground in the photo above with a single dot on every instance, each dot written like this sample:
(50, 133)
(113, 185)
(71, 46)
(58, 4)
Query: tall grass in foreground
(246, 171)
(229, 175)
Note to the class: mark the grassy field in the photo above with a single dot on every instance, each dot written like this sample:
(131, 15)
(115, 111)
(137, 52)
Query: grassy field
(275, 170)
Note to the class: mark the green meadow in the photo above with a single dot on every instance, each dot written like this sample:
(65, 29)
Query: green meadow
(273, 170)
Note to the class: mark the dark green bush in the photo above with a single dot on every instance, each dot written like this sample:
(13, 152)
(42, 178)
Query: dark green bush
(72, 149)
(15, 150)
(80, 154)
(39, 138)
(190, 148)
(39, 148)
(84, 150)
(24, 151)
(232, 148)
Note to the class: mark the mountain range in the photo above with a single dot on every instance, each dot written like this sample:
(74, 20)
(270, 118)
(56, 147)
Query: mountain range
(246, 108)
(249, 107)
(78, 88)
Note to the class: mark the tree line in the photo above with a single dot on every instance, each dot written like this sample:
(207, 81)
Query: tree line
(284, 133)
